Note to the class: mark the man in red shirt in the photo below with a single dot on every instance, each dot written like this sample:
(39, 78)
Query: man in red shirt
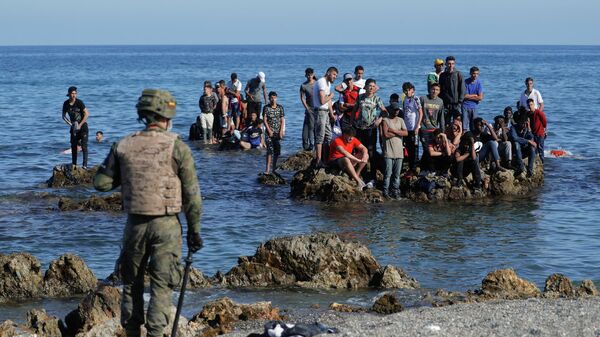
(347, 99)
(538, 127)
(341, 155)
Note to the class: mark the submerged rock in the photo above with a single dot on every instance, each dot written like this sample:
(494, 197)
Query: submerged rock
(109, 203)
(43, 324)
(330, 185)
(299, 161)
(20, 277)
(272, 179)
(68, 275)
(342, 307)
(387, 304)
(69, 175)
(505, 284)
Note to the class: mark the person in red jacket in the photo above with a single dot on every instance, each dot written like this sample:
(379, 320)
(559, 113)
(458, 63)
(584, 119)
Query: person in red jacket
(538, 127)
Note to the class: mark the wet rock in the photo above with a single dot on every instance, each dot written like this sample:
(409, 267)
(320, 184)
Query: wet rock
(505, 284)
(95, 309)
(43, 324)
(68, 275)
(8, 329)
(197, 280)
(558, 285)
(272, 179)
(442, 298)
(20, 277)
(299, 161)
(220, 315)
(109, 203)
(587, 288)
(387, 304)
(256, 275)
(316, 261)
(67, 175)
(341, 307)
(330, 185)
(390, 277)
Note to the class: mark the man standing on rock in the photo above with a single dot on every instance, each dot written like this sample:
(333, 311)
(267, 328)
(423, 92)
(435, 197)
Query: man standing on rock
(452, 92)
(78, 115)
(158, 177)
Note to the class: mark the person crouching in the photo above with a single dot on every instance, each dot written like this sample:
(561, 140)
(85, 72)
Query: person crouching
(341, 155)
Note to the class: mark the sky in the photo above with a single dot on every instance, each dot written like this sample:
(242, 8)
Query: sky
(197, 22)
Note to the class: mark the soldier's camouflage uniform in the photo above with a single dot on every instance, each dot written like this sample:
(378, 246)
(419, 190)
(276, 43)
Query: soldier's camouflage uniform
(151, 241)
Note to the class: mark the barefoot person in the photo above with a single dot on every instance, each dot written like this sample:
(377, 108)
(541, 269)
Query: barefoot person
(78, 116)
(274, 120)
(349, 155)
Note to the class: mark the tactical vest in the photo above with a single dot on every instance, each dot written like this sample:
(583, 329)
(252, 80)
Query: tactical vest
(149, 182)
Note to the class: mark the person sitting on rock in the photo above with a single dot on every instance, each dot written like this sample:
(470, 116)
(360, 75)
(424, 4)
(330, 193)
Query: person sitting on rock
(454, 131)
(252, 135)
(539, 123)
(348, 154)
(524, 145)
(484, 133)
(439, 153)
(466, 162)
(504, 144)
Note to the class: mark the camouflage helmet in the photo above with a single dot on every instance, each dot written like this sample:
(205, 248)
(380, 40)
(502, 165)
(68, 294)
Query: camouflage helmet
(160, 102)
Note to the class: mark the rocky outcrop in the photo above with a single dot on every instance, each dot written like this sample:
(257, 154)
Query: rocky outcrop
(220, 315)
(330, 185)
(587, 288)
(43, 324)
(313, 261)
(387, 304)
(95, 309)
(505, 284)
(390, 277)
(68, 275)
(109, 203)
(20, 277)
(558, 285)
(272, 179)
(297, 162)
(68, 175)
(342, 307)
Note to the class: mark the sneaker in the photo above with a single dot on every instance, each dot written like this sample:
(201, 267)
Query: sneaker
(370, 184)
(529, 174)
(84, 167)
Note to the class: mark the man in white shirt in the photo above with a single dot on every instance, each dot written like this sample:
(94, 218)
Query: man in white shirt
(322, 104)
(234, 89)
(532, 93)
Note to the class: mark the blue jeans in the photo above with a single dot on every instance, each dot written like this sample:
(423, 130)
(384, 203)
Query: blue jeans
(468, 115)
(540, 146)
(308, 130)
(528, 151)
(392, 173)
(490, 146)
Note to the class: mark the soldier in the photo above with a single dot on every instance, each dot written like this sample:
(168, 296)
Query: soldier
(158, 178)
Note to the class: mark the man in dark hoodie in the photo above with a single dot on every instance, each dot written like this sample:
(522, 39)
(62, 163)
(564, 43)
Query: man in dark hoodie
(452, 89)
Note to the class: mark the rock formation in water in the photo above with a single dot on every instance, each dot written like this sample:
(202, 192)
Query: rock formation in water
(298, 162)
(314, 261)
(271, 179)
(332, 185)
(68, 175)
(109, 203)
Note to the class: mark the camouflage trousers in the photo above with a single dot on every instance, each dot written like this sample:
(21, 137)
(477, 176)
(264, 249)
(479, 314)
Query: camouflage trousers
(151, 243)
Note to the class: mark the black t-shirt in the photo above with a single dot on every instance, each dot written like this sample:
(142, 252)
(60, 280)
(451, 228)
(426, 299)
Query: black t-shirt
(75, 111)
(483, 137)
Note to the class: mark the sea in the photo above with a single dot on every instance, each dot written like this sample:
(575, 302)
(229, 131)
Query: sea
(450, 245)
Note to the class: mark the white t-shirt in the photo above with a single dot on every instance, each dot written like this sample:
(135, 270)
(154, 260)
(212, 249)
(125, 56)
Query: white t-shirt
(359, 83)
(237, 87)
(535, 95)
(321, 85)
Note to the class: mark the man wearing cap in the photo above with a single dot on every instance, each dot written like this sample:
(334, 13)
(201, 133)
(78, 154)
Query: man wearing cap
(78, 115)
(434, 76)
(348, 98)
(306, 97)
(157, 175)
(253, 89)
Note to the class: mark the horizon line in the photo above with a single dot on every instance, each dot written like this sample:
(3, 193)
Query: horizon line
(295, 44)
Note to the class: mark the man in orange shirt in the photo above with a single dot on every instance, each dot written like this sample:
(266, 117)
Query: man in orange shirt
(341, 155)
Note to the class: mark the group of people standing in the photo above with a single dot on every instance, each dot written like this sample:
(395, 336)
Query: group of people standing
(346, 132)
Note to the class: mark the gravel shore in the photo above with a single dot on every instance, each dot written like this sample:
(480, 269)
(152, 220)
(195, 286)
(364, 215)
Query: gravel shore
(532, 317)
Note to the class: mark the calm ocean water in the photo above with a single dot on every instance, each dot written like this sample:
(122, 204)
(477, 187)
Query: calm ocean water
(443, 245)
